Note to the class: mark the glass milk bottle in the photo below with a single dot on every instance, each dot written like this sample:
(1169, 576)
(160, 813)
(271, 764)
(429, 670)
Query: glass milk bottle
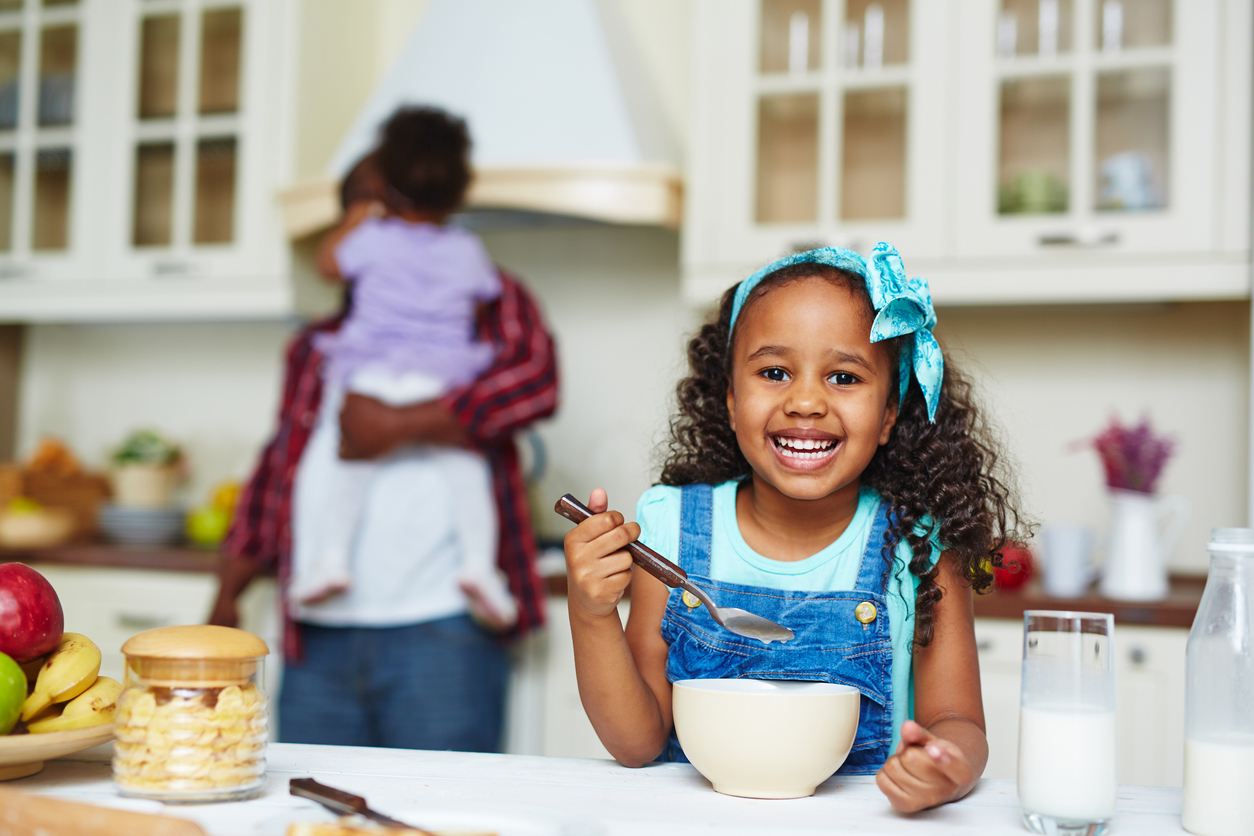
(1219, 694)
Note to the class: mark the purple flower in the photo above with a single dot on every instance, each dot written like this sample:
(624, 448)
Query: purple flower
(1133, 457)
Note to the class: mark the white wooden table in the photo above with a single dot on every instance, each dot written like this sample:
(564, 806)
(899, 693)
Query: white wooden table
(519, 795)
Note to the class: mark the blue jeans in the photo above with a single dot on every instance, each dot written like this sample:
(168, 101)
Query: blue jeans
(435, 685)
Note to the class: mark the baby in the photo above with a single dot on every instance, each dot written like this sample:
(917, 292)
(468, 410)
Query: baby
(409, 336)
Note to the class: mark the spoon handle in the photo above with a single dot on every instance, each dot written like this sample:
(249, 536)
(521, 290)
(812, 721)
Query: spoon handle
(643, 556)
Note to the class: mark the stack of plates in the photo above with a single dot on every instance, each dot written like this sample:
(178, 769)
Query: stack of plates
(152, 526)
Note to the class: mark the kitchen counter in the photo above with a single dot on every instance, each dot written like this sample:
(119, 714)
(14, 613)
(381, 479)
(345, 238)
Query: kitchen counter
(536, 796)
(178, 558)
(1176, 610)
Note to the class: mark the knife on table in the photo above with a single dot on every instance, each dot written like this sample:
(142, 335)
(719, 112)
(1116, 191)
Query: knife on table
(339, 801)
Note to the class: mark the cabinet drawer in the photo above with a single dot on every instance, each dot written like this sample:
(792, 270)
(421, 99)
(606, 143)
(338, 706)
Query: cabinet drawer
(111, 605)
(1149, 684)
(1000, 646)
(999, 642)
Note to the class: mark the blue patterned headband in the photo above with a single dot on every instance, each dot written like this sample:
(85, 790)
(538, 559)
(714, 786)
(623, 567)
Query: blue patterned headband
(903, 305)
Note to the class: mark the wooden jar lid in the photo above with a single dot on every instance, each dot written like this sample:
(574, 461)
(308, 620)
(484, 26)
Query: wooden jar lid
(196, 641)
(195, 655)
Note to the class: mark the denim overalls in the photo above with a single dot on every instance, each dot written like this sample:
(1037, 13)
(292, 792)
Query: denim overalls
(841, 636)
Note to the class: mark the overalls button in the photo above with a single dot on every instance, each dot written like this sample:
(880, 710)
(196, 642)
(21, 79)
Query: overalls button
(865, 612)
(690, 601)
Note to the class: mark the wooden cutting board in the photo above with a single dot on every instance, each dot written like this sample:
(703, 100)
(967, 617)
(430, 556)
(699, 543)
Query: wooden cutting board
(22, 814)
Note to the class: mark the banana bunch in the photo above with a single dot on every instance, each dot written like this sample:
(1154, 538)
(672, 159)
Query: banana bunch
(69, 693)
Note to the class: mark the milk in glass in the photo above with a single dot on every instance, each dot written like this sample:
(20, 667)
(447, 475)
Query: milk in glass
(1068, 767)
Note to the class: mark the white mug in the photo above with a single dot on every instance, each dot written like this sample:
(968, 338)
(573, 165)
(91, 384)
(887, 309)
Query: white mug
(1066, 565)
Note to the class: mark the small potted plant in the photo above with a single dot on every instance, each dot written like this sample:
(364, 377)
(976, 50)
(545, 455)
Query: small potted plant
(1144, 527)
(146, 468)
(1133, 458)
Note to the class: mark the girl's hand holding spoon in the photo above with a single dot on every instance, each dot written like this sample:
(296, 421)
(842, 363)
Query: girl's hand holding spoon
(597, 567)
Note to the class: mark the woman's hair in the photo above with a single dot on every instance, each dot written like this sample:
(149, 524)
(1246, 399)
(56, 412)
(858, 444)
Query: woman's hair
(424, 155)
(939, 479)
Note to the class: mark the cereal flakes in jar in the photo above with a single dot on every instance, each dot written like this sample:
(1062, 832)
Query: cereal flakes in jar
(191, 724)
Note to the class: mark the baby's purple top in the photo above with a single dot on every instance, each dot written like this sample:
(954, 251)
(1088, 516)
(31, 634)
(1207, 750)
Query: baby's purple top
(415, 288)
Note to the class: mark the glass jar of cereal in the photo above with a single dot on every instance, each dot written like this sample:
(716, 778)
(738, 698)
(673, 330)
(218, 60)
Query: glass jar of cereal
(191, 723)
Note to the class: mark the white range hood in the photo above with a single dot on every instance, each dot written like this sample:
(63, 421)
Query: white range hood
(561, 115)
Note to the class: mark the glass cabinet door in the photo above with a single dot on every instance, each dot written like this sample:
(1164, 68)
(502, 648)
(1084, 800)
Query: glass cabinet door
(825, 112)
(865, 89)
(186, 123)
(142, 143)
(1091, 144)
(39, 134)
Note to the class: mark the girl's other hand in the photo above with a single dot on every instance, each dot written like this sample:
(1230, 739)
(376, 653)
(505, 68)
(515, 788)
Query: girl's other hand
(925, 771)
(597, 567)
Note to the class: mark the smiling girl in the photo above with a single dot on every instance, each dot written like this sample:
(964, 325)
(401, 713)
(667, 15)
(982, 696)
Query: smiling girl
(828, 472)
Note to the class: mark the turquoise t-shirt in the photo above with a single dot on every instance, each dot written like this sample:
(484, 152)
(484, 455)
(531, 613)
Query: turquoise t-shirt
(834, 568)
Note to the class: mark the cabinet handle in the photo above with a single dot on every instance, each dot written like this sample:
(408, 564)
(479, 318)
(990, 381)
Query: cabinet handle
(1138, 656)
(132, 621)
(170, 267)
(984, 644)
(1079, 238)
(846, 242)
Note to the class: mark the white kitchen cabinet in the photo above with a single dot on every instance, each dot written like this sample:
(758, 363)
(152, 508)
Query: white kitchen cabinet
(1013, 150)
(142, 143)
(1149, 678)
(813, 123)
(42, 147)
(1115, 129)
(1000, 645)
(1149, 684)
(109, 605)
(567, 731)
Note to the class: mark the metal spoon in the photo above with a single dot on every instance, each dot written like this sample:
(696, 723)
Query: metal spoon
(738, 621)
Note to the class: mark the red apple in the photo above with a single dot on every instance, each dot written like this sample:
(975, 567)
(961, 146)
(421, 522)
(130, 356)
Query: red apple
(31, 620)
(1016, 568)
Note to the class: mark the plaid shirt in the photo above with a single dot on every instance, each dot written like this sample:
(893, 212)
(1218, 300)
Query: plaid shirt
(520, 387)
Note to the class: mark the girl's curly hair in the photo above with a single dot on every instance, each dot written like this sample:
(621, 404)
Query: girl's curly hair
(941, 479)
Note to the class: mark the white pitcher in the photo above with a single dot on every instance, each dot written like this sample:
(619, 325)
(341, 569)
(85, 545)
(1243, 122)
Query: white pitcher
(1143, 533)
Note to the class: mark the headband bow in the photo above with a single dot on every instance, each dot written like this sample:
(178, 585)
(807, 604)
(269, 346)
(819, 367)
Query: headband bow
(903, 306)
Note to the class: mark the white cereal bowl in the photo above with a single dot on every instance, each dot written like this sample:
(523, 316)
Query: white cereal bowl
(761, 738)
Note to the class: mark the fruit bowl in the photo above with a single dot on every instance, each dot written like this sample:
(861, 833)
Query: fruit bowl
(24, 754)
(35, 529)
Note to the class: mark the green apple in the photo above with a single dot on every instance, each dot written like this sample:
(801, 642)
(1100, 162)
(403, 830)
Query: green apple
(207, 525)
(12, 692)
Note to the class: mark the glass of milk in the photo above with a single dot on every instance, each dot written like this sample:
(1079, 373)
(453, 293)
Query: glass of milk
(1067, 723)
(1219, 694)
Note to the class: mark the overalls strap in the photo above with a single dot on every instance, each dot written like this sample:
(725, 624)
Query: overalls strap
(874, 566)
(696, 526)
